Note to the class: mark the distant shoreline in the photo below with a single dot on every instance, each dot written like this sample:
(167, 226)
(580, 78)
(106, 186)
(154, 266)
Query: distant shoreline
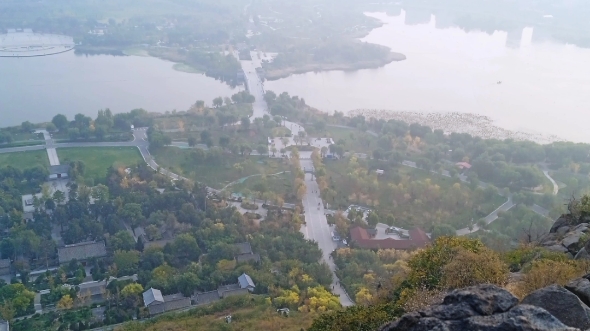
(318, 67)
(473, 124)
(37, 55)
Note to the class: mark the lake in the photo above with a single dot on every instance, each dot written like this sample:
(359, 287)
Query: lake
(544, 85)
(37, 88)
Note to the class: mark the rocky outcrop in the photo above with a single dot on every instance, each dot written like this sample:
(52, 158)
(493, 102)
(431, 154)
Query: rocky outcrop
(562, 304)
(484, 307)
(568, 235)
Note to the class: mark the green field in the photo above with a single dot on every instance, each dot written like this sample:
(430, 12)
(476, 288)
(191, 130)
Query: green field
(216, 175)
(24, 160)
(99, 159)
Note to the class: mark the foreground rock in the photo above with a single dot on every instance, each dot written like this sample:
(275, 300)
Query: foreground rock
(484, 307)
(569, 235)
(562, 304)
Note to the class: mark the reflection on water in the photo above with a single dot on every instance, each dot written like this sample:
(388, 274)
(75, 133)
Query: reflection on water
(544, 85)
(35, 89)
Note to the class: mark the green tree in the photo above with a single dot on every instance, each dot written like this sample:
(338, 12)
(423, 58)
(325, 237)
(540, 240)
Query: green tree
(443, 230)
(122, 240)
(126, 261)
(60, 121)
(218, 102)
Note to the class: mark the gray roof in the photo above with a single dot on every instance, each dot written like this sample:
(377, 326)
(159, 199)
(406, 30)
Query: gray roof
(4, 326)
(152, 295)
(248, 257)
(244, 248)
(95, 288)
(5, 263)
(59, 169)
(245, 281)
(81, 251)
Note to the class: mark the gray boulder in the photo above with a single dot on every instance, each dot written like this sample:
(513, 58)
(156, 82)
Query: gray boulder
(562, 304)
(581, 288)
(484, 308)
(562, 221)
(582, 254)
(570, 241)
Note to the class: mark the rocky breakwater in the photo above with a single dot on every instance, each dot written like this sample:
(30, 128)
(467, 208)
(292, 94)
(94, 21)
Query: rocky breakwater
(492, 308)
(569, 235)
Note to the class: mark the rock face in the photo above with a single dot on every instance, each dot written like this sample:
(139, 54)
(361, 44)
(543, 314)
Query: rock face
(562, 304)
(483, 307)
(570, 236)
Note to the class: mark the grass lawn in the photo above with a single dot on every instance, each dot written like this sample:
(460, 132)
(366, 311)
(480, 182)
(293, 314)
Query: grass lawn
(99, 159)
(24, 160)
(281, 184)
(216, 175)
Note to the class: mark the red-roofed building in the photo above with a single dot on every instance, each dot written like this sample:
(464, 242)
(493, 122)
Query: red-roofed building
(361, 237)
(463, 165)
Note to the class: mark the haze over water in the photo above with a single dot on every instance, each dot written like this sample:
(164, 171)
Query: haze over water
(545, 86)
(35, 89)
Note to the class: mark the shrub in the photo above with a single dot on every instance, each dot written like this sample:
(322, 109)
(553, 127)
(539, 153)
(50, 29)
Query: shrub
(427, 265)
(469, 269)
(547, 272)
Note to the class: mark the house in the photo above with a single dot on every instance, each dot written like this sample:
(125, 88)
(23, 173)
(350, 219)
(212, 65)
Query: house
(245, 253)
(245, 285)
(4, 267)
(463, 165)
(4, 326)
(94, 290)
(59, 171)
(156, 303)
(246, 282)
(362, 238)
(81, 251)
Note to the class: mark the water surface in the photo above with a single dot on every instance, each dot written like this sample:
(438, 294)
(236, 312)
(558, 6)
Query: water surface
(35, 89)
(544, 86)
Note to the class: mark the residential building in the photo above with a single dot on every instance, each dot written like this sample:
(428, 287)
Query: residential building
(156, 303)
(81, 251)
(245, 253)
(4, 326)
(245, 285)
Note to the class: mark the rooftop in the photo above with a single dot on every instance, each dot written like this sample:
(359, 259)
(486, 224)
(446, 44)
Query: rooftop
(81, 251)
(245, 281)
(152, 295)
(244, 248)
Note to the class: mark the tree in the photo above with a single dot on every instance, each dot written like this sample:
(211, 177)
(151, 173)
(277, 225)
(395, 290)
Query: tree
(133, 289)
(27, 126)
(66, 302)
(122, 240)
(50, 127)
(245, 122)
(126, 262)
(218, 102)
(443, 230)
(224, 142)
(60, 121)
(186, 283)
(192, 141)
(59, 197)
(132, 214)
(373, 218)
(200, 104)
(262, 149)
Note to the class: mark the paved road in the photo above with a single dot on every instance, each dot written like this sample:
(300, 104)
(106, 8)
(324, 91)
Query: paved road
(490, 218)
(555, 186)
(318, 230)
